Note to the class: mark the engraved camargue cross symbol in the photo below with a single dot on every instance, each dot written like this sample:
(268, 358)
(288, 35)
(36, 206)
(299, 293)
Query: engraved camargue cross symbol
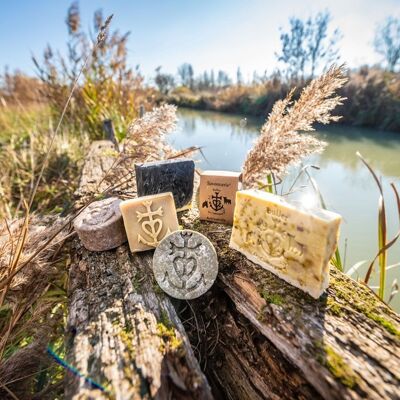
(151, 227)
(216, 201)
(184, 261)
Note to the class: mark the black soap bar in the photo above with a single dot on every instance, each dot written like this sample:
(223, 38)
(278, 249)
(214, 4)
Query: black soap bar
(174, 176)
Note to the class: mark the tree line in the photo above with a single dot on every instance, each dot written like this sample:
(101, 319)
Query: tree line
(308, 47)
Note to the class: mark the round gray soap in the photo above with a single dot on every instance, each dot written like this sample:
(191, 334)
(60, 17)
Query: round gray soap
(100, 226)
(185, 264)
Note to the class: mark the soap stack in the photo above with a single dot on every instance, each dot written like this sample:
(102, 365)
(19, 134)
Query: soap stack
(294, 243)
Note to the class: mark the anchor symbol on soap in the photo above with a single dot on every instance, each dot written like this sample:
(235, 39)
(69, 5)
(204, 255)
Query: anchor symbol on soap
(217, 202)
(151, 227)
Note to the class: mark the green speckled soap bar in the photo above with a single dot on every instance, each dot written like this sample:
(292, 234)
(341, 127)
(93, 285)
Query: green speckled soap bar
(294, 243)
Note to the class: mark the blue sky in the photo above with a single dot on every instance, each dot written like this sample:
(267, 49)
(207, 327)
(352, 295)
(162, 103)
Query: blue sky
(219, 34)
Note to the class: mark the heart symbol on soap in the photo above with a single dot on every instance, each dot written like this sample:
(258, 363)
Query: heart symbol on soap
(152, 228)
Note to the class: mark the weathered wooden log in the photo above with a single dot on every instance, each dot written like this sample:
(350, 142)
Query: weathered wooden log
(124, 336)
(256, 336)
(346, 345)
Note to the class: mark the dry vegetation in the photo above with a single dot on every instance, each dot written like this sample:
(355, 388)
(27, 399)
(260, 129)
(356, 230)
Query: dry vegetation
(43, 140)
(22, 156)
(32, 306)
(280, 143)
(373, 98)
(34, 266)
(109, 88)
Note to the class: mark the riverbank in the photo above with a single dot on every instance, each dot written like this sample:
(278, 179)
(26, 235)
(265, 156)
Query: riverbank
(372, 99)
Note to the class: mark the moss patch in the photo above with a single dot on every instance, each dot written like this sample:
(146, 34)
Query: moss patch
(127, 339)
(168, 335)
(362, 300)
(338, 367)
(156, 288)
(271, 298)
(164, 319)
(196, 224)
(388, 325)
(334, 307)
(138, 279)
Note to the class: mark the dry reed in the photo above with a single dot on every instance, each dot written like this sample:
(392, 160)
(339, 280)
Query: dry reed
(281, 143)
(27, 252)
(146, 135)
(30, 317)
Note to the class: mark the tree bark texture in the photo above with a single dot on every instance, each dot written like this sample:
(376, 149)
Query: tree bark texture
(125, 339)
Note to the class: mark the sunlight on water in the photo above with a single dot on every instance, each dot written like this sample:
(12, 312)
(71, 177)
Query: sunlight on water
(346, 185)
(309, 200)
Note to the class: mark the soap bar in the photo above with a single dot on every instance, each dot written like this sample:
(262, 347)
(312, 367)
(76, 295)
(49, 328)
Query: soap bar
(100, 226)
(295, 244)
(185, 264)
(217, 195)
(149, 219)
(175, 176)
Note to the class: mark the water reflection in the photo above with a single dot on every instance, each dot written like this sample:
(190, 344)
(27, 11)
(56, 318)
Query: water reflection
(345, 183)
(381, 148)
(189, 126)
(225, 141)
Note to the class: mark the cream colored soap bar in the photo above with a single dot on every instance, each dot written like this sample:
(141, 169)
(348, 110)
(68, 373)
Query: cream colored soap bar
(148, 220)
(293, 243)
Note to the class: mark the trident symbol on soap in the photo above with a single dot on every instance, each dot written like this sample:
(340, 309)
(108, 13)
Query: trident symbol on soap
(151, 227)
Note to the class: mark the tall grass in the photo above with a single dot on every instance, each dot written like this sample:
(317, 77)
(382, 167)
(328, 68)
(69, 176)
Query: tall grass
(27, 250)
(107, 87)
(26, 141)
(383, 244)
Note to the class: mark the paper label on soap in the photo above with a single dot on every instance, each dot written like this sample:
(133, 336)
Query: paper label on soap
(217, 196)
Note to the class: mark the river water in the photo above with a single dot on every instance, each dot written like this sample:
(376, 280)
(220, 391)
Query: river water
(345, 183)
